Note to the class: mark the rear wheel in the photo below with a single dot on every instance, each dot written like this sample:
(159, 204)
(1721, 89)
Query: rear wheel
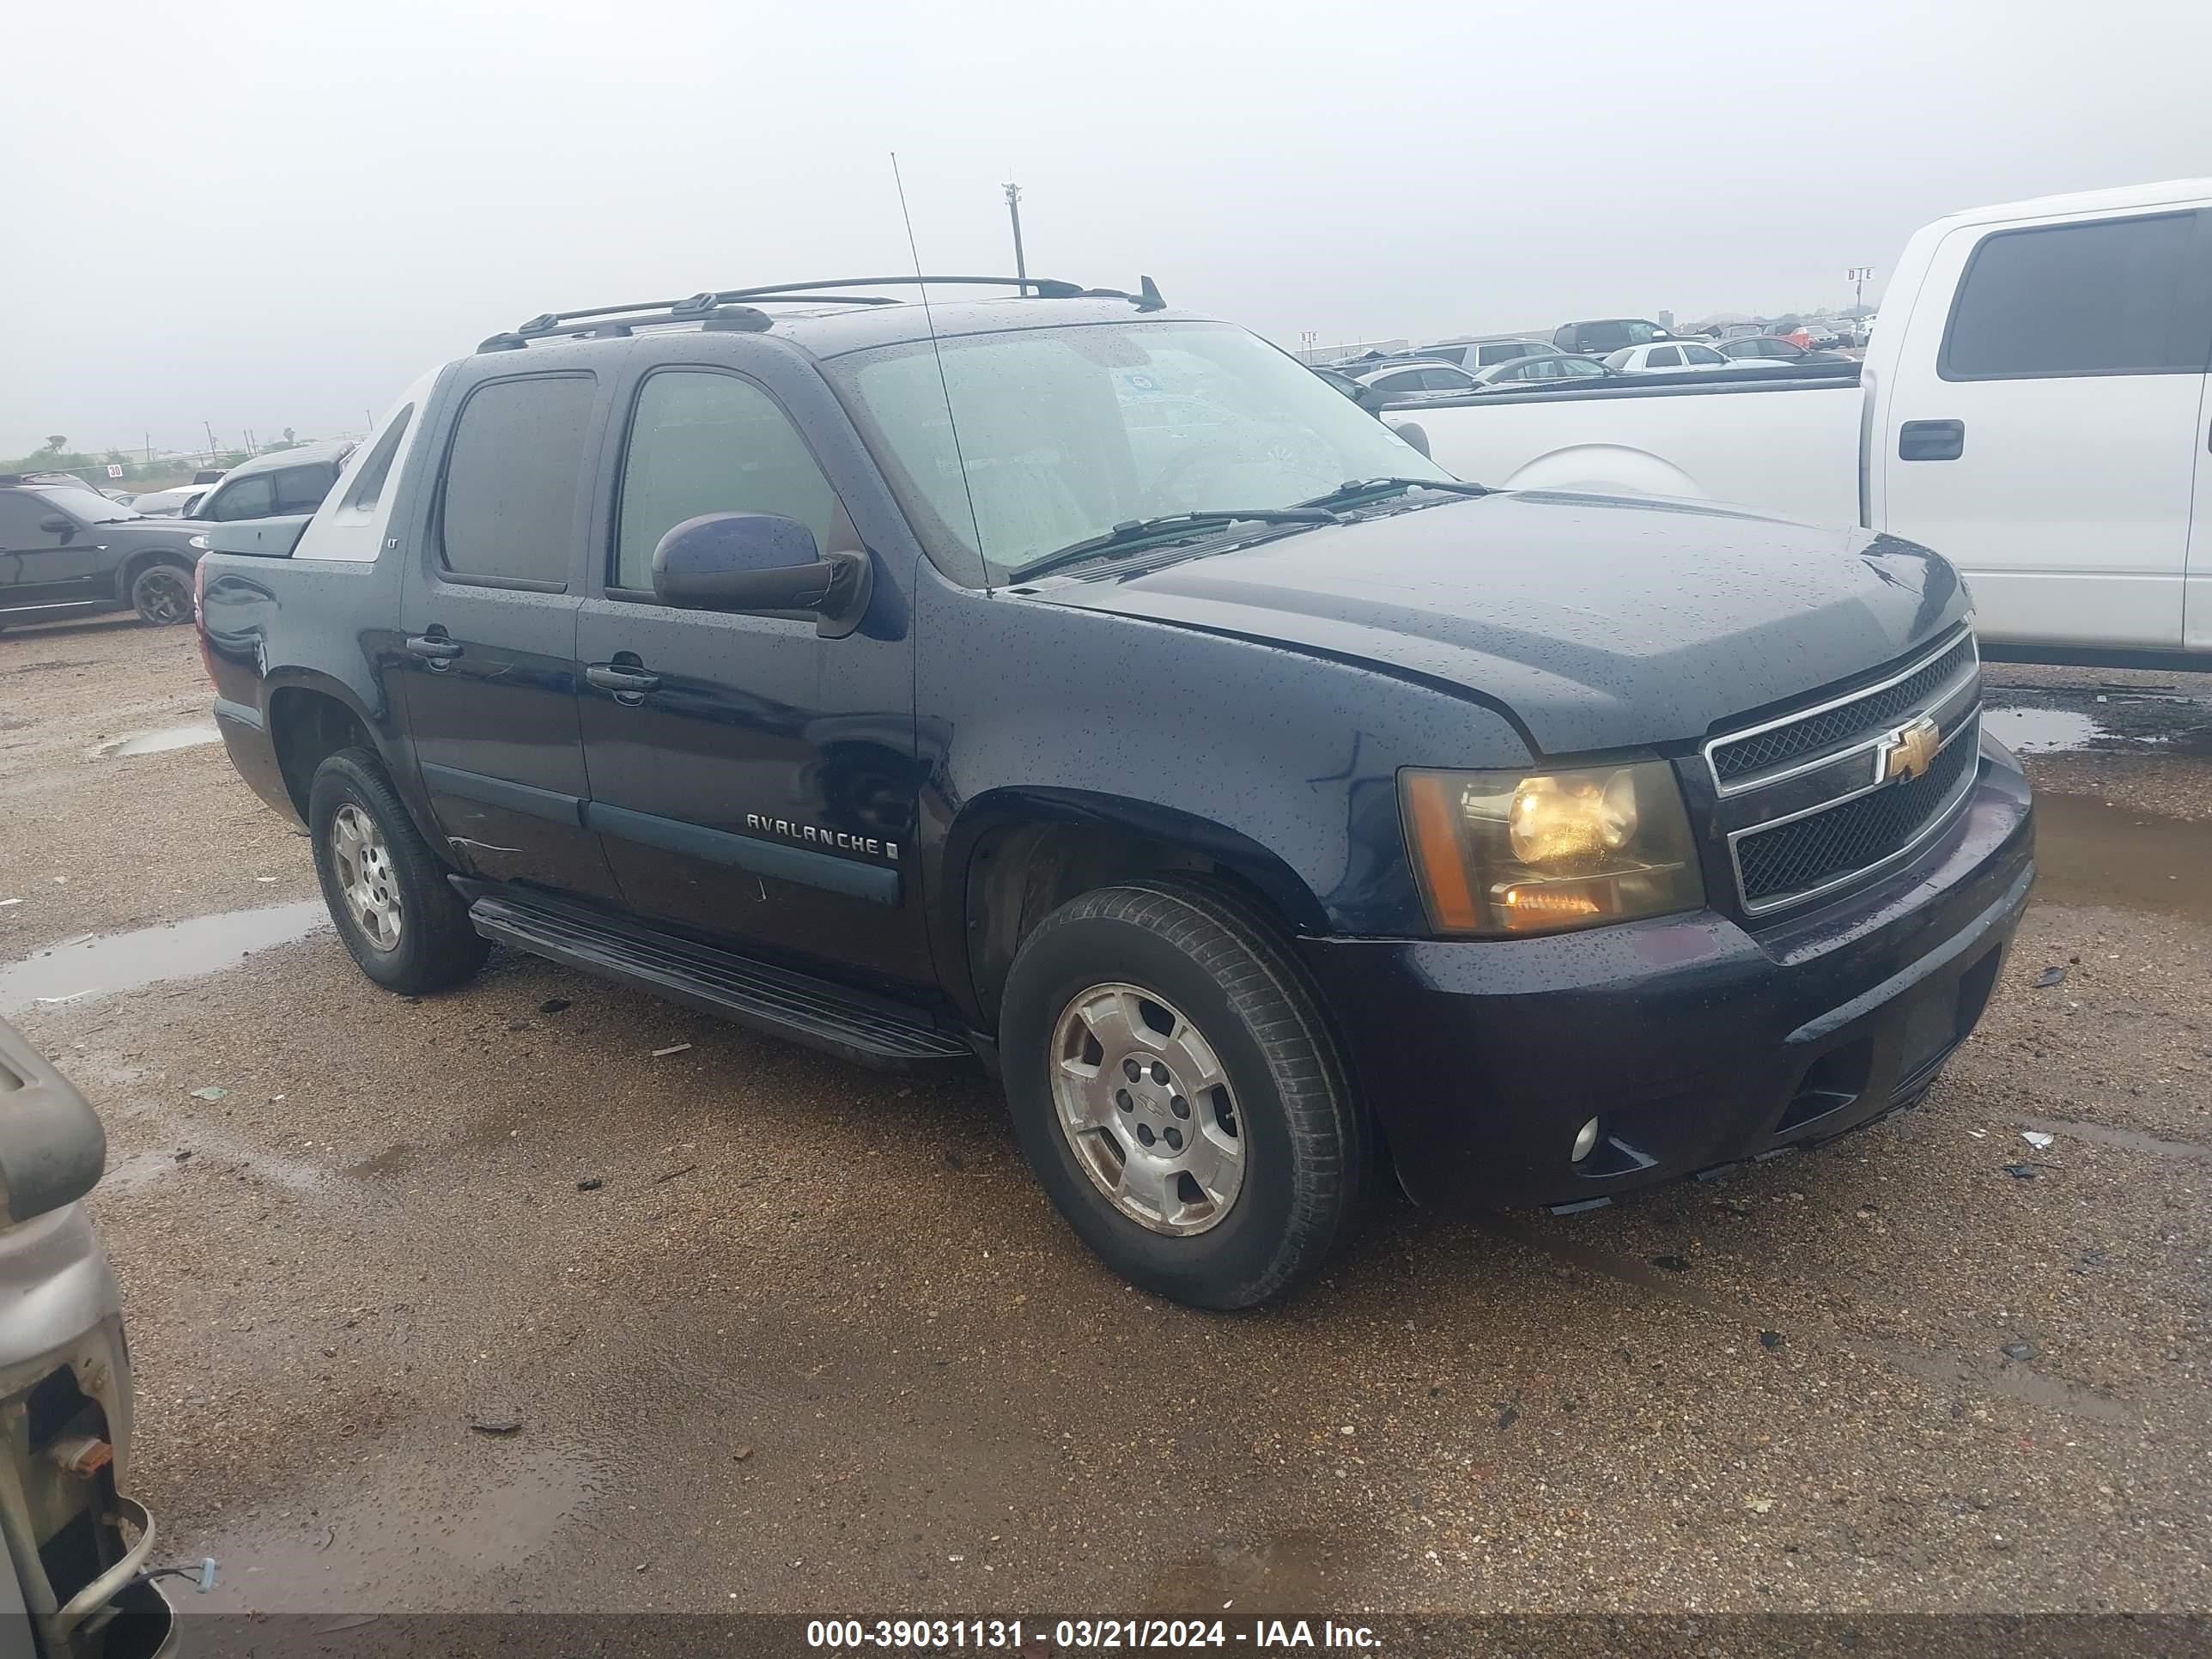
(1178, 1092)
(400, 918)
(162, 594)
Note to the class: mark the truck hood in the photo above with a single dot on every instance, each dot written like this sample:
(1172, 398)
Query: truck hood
(1596, 622)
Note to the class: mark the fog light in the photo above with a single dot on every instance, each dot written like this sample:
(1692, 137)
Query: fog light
(1585, 1138)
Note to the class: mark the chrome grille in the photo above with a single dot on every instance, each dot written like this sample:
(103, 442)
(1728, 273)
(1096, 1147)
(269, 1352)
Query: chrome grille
(1807, 853)
(1812, 801)
(1799, 735)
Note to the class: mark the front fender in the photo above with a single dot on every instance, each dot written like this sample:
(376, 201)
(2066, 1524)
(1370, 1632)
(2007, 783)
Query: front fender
(1278, 764)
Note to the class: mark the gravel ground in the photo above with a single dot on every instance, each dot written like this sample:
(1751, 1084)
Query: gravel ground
(817, 1344)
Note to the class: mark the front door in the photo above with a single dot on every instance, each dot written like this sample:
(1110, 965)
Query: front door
(2044, 435)
(40, 565)
(748, 778)
(487, 665)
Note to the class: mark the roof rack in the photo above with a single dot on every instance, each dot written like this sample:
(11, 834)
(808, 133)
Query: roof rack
(725, 308)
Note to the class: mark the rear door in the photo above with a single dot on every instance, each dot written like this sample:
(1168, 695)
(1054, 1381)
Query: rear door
(487, 663)
(750, 779)
(2044, 433)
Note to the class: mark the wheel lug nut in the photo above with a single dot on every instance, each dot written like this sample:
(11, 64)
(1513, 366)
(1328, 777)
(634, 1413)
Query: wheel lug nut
(1121, 1099)
(1131, 1070)
(1179, 1106)
(1159, 1072)
(1144, 1134)
(1174, 1137)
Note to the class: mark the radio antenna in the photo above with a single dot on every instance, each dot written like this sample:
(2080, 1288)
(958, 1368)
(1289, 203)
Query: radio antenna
(944, 386)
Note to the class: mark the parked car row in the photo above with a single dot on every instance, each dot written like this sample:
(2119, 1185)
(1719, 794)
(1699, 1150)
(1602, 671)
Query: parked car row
(1576, 353)
(66, 549)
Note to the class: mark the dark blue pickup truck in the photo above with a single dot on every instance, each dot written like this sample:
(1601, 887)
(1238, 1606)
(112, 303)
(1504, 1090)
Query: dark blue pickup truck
(1079, 684)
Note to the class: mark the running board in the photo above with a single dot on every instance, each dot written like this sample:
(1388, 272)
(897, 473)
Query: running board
(853, 1025)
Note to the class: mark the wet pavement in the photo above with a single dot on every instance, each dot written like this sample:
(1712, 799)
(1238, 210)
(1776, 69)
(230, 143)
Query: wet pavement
(816, 1343)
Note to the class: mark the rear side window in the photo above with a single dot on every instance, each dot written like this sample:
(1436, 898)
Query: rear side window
(246, 498)
(703, 442)
(1702, 355)
(1664, 357)
(512, 474)
(2110, 297)
(301, 488)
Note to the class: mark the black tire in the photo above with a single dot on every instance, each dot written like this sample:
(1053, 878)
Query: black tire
(161, 594)
(1308, 1144)
(435, 946)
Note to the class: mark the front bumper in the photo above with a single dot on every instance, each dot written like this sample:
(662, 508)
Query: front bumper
(1695, 1043)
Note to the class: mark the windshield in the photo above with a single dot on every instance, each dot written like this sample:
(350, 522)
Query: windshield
(1061, 434)
(88, 504)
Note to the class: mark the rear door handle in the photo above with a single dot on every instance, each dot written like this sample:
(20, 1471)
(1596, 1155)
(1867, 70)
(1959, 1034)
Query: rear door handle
(1931, 441)
(432, 647)
(619, 679)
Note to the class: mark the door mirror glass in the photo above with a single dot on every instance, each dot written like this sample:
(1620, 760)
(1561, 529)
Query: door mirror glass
(760, 563)
(55, 525)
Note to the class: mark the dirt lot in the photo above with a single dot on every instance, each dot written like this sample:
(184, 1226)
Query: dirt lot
(817, 1344)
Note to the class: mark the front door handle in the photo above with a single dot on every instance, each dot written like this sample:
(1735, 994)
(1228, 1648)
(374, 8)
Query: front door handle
(434, 648)
(622, 680)
(1931, 441)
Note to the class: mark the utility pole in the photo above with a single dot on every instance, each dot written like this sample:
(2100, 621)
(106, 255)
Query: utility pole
(209, 425)
(1856, 275)
(1014, 213)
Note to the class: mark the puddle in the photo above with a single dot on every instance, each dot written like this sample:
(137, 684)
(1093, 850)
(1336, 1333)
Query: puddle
(156, 742)
(418, 1531)
(2040, 731)
(2115, 719)
(85, 968)
(2087, 853)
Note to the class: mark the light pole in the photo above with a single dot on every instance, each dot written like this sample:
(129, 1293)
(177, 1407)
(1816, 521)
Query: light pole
(1014, 214)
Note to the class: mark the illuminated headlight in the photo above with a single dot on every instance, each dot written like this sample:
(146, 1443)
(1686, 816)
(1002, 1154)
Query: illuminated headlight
(1502, 854)
(198, 544)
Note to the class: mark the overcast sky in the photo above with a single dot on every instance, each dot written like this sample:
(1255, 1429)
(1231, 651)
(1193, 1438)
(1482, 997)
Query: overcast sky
(265, 215)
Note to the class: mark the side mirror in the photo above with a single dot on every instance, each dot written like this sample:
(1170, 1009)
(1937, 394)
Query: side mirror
(1413, 434)
(1371, 398)
(55, 525)
(51, 1146)
(763, 563)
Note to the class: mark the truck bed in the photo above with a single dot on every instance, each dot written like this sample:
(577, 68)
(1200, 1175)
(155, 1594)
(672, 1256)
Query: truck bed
(1785, 445)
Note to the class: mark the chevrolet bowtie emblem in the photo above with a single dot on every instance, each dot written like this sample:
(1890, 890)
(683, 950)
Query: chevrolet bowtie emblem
(1910, 750)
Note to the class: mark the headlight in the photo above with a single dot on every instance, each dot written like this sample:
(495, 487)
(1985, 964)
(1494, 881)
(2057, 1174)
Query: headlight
(1510, 853)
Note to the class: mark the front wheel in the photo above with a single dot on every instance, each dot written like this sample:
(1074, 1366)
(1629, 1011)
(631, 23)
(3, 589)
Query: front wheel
(399, 917)
(162, 594)
(1177, 1089)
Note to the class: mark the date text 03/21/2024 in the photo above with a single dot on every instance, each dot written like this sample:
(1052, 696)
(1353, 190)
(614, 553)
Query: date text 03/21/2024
(1261, 1636)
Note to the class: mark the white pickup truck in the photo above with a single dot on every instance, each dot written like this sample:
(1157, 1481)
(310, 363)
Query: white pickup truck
(2034, 405)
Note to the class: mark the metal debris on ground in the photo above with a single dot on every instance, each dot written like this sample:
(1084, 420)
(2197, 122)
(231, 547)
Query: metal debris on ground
(2020, 1171)
(672, 1174)
(2019, 1351)
(2049, 977)
(672, 1049)
(590, 1184)
(210, 1092)
(495, 1422)
(2037, 1139)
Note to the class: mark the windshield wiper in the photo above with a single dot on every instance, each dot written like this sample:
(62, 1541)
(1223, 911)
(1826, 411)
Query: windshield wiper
(1131, 532)
(1360, 489)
